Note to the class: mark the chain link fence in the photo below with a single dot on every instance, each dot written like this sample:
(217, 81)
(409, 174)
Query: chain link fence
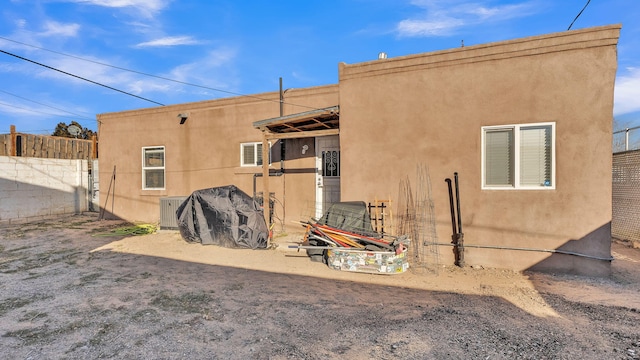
(625, 222)
(626, 139)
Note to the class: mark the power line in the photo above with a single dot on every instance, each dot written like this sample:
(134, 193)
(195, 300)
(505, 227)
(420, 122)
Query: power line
(39, 103)
(156, 76)
(580, 13)
(31, 110)
(80, 77)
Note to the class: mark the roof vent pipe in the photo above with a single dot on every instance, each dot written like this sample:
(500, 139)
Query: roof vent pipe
(382, 55)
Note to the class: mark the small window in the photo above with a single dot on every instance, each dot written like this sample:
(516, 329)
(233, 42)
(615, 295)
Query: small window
(153, 168)
(518, 156)
(251, 154)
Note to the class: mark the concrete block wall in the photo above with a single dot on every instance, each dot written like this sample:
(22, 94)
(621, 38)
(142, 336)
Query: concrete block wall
(37, 188)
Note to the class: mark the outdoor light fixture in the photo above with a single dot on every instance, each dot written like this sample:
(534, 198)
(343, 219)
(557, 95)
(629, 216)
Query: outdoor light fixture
(183, 117)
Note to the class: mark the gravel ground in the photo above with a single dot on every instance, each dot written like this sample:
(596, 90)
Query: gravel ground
(69, 294)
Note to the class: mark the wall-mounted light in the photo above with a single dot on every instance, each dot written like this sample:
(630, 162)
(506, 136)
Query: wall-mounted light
(183, 117)
(304, 149)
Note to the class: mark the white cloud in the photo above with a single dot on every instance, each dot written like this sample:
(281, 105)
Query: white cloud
(201, 71)
(146, 7)
(431, 27)
(53, 28)
(627, 92)
(442, 18)
(20, 23)
(169, 41)
(91, 71)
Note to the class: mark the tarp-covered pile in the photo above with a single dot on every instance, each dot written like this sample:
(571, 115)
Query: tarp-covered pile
(224, 216)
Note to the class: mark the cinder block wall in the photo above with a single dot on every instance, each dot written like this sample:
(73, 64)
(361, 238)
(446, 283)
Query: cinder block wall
(36, 188)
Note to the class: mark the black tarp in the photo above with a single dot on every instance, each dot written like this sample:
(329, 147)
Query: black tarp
(224, 216)
(350, 215)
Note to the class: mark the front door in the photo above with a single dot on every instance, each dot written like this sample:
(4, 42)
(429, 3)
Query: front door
(328, 172)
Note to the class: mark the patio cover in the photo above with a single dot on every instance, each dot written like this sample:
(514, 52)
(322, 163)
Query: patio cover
(317, 122)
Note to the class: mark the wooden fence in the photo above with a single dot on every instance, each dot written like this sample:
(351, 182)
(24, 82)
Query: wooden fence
(50, 147)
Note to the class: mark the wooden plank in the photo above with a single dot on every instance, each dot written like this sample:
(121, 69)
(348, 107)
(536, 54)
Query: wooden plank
(29, 150)
(305, 134)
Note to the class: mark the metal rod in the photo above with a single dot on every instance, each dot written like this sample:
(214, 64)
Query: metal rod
(460, 234)
(531, 249)
(281, 99)
(453, 211)
(626, 140)
(626, 129)
(455, 176)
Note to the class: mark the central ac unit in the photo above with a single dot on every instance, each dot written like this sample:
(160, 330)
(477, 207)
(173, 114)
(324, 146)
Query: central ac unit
(168, 208)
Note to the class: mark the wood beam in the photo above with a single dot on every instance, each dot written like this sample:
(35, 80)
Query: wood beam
(300, 135)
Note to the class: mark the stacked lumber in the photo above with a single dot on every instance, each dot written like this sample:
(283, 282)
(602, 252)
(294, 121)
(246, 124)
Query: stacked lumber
(333, 237)
(351, 251)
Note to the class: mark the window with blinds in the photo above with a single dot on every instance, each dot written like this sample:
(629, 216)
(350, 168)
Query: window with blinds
(153, 168)
(518, 156)
(251, 154)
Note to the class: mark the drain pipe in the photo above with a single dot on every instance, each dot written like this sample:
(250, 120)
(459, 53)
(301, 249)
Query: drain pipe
(457, 238)
(257, 175)
(460, 234)
(454, 228)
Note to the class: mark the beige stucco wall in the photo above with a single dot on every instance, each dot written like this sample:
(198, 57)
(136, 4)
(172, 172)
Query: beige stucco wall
(397, 114)
(204, 152)
(428, 109)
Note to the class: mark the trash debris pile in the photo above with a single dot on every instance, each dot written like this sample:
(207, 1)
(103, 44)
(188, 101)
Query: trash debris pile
(344, 240)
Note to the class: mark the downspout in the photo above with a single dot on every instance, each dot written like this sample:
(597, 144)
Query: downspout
(282, 153)
(266, 199)
(257, 175)
(266, 205)
(460, 235)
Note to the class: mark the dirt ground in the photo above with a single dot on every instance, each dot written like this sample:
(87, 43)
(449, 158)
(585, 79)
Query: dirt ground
(70, 289)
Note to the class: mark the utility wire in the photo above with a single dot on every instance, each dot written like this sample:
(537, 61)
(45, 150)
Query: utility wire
(580, 13)
(39, 103)
(156, 76)
(32, 110)
(80, 77)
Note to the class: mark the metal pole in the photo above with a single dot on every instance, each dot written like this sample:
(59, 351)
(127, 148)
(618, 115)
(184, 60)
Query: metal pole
(281, 99)
(460, 234)
(455, 176)
(626, 139)
(453, 213)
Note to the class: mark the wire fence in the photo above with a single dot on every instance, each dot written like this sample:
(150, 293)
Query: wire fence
(626, 139)
(625, 222)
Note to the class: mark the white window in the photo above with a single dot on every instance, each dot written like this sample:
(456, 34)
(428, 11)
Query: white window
(153, 168)
(251, 154)
(518, 156)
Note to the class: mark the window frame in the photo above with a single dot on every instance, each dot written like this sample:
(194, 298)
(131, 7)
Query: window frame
(516, 128)
(255, 153)
(145, 168)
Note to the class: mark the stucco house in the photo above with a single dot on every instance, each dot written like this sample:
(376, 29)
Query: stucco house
(527, 123)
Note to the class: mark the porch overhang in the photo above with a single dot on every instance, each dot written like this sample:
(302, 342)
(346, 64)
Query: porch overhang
(317, 122)
(314, 123)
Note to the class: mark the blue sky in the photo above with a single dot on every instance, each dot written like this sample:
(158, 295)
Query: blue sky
(228, 47)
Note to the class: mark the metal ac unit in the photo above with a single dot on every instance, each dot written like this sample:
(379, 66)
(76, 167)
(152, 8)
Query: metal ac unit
(168, 208)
